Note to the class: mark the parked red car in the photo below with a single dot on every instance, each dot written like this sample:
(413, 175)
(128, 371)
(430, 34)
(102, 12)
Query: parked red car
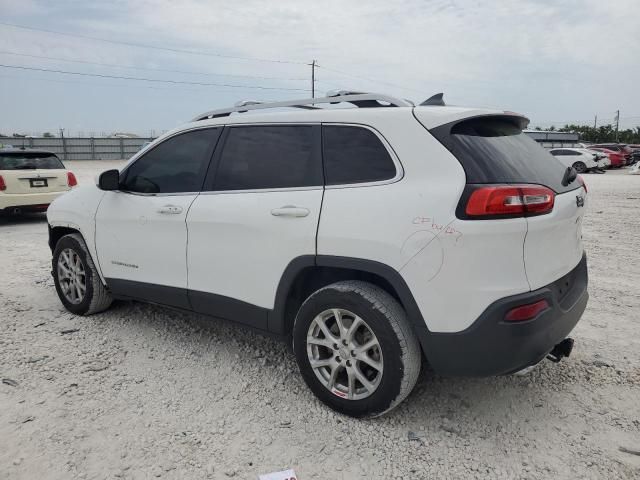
(626, 152)
(617, 158)
(635, 156)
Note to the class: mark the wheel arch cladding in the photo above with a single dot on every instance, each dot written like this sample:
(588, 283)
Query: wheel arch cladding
(306, 274)
(56, 233)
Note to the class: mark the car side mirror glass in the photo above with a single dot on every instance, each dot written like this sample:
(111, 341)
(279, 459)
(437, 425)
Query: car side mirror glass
(109, 180)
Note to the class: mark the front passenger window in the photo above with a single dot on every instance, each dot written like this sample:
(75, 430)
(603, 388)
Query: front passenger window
(176, 165)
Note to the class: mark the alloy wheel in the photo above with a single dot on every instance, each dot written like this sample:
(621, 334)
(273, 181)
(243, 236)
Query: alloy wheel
(345, 354)
(72, 276)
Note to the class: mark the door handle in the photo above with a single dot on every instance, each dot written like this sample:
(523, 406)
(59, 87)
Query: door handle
(290, 211)
(170, 209)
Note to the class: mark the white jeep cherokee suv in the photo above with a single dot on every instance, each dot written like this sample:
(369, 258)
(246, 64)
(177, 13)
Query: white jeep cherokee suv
(371, 238)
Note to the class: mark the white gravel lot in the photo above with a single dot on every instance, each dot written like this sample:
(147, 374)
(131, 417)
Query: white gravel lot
(143, 392)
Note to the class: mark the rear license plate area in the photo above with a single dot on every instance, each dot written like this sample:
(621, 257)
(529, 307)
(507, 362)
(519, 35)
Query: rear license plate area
(38, 182)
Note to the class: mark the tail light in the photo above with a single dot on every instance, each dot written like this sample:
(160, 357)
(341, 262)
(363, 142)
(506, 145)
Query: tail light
(500, 201)
(526, 312)
(71, 179)
(582, 182)
(3, 186)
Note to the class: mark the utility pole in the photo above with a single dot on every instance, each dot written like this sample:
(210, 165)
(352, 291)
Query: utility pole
(595, 122)
(617, 123)
(313, 79)
(64, 144)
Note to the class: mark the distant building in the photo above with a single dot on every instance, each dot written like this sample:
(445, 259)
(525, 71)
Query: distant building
(552, 139)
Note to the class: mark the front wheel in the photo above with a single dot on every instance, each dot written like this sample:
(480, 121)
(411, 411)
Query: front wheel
(355, 348)
(76, 278)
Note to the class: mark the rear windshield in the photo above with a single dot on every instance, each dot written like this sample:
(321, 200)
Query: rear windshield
(29, 161)
(495, 150)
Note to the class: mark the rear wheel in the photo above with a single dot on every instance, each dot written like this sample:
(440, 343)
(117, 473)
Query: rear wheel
(355, 348)
(580, 167)
(76, 278)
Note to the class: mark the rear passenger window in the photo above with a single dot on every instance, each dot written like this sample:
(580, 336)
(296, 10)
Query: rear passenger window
(259, 157)
(354, 155)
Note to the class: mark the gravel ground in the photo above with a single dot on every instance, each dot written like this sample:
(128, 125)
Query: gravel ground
(143, 392)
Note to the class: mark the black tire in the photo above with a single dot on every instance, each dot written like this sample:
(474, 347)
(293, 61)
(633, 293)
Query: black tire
(96, 297)
(580, 167)
(387, 320)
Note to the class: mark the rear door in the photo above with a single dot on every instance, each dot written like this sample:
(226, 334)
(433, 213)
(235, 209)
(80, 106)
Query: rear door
(257, 212)
(493, 150)
(32, 172)
(141, 232)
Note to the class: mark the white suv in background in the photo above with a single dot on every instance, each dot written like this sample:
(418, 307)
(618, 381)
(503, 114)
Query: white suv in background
(372, 238)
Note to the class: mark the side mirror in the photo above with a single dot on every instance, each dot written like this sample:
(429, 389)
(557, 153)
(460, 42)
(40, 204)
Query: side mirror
(109, 180)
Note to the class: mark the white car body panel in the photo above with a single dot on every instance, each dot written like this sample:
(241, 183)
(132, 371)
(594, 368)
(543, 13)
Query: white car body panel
(239, 249)
(364, 221)
(136, 241)
(553, 246)
(477, 267)
(433, 116)
(76, 209)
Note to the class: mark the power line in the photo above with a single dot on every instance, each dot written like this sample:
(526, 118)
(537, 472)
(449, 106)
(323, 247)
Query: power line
(4, 52)
(101, 85)
(359, 77)
(152, 47)
(179, 82)
(193, 52)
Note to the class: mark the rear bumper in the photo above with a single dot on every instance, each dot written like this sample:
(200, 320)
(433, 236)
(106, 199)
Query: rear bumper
(26, 200)
(492, 346)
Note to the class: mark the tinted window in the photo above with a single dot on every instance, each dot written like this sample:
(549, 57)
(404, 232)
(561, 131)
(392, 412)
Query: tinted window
(176, 165)
(29, 161)
(256, 157)
(494, 150)
(354, 155)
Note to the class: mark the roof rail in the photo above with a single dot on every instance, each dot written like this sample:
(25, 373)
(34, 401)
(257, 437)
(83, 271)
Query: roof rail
(362, 100)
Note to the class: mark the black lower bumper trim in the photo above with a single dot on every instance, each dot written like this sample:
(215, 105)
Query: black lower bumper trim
(492, 346)
(25, 208)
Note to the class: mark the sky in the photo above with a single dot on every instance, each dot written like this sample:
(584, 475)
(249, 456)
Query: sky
(556, 62)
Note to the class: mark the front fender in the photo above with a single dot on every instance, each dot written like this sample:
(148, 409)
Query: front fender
(76, 210)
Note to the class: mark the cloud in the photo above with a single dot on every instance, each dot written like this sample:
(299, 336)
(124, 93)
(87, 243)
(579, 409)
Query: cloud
(549, 59)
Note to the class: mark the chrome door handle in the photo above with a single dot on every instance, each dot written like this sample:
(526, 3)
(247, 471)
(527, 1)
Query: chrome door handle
(170, 209)
(290, 211)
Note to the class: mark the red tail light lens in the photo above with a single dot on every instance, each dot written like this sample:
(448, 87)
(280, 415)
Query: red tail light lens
(71, 179)
(509, 200)
(3, 186)
(582, 182)
(526, 312)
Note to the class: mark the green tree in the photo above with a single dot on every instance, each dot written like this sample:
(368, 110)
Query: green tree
(48, 135)
(602, 134)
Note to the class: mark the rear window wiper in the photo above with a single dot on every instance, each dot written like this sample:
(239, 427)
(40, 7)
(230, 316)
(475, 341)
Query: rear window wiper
(569, 176)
